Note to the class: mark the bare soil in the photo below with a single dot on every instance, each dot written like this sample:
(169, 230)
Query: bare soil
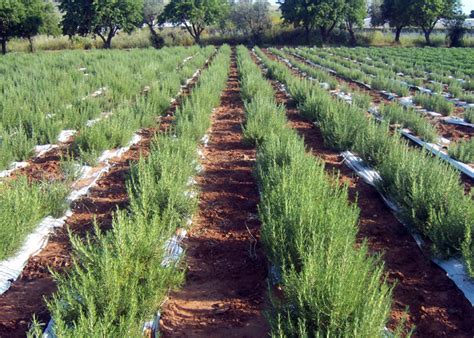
(224, 292)
(436, 307)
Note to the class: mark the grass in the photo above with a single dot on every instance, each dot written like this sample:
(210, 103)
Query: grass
(118, 280)
(434, 103)
(308, 230)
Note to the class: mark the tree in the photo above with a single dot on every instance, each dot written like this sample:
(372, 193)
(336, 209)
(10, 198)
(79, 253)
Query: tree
(375, 13)
(51, 20)
(251, 17)
(322, 14)
(11, 15)
(427, 13)
(194, 15)
(354, 15)
(456, 30)
(398, 13)
(152, 10)
(103, 18)
(472, 14)
(299, 13)
(35, 12)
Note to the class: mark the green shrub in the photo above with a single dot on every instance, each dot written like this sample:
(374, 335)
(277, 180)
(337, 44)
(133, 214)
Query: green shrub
(427, 189)
(469, 115)
(118, 280)
(22, 206)
(435, 103)
(408, 118)
(463, 151)
(308, 231)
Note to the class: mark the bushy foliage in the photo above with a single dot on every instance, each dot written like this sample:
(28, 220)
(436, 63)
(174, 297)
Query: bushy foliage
(308, 231)
(427, 190)
(119, 280)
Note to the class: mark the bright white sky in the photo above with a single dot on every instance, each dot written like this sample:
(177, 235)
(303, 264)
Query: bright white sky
(468, 5)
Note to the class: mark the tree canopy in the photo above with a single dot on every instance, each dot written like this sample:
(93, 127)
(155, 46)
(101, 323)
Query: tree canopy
(103, 18)
(354, 15)
(24, 18)
(427, 13)
(251, 17)
(194, 15)
(324, 15)
(398, 13)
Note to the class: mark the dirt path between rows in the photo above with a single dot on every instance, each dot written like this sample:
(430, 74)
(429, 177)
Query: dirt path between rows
(436, 306)
(27, 294)
(224, 292)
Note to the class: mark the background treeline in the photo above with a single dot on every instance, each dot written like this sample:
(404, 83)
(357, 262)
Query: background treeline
(142, 23)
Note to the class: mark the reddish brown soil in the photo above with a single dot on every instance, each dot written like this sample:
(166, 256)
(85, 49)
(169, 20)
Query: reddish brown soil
(436, 306)
(224, 292)
(453, 132)
(27, 295)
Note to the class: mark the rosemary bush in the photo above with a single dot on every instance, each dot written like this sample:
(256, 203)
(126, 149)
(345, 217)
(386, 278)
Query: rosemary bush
(463, 151)
(469, 115)
(427, 189)
(308, 231)
(435, 103)
(118, 280)
(408, 118)
(22, 206)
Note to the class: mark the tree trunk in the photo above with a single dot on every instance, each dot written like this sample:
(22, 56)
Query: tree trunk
(197, 38)
(307, 31)
(152, 30)
(108, 42)
(156, 40)
(4, 47)
(324, 34)
(30, 47)
(427, 33)
(353, 39)
(398, 31)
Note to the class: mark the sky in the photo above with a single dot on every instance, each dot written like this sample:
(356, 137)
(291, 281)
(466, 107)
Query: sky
(468, 5)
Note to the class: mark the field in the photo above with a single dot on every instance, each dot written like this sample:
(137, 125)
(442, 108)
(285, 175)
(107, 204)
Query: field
(233, 191)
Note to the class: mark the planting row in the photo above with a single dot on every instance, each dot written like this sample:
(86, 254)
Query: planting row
(40, 198)
(426, 190)
(398, 116)
(120, 278)
(408, 69)
(377, 79)
(59, 92)
(329, 287)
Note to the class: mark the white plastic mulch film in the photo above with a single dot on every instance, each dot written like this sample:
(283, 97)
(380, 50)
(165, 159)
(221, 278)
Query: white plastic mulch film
(454, 268)
(438, 151)
(11, 268)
